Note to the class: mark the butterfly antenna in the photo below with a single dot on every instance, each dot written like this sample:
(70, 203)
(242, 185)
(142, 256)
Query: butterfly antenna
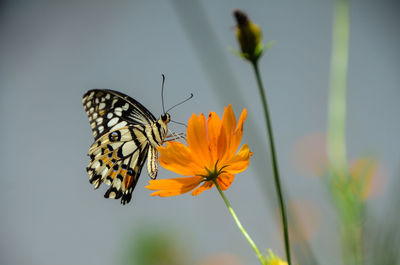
(183, 101)
(162, 92)
(180, 123)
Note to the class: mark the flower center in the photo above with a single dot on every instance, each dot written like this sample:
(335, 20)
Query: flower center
(213, 173)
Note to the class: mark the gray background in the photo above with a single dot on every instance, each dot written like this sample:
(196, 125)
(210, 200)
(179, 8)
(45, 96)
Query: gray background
(53, 51)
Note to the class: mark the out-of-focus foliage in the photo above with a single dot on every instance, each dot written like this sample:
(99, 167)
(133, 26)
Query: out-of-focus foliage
(382, 234)
(221, 259)
(155, 245)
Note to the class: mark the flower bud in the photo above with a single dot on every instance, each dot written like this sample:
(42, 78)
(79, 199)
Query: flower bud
(249, 36)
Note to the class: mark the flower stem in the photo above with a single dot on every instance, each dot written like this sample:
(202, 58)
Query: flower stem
(350, 208)
(239, 225)
(337, 92)
(274, 160)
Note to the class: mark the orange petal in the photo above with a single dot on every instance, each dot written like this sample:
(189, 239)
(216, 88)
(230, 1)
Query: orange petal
(206, 186)
(214, 125)
(237, 137)
(225, 180)
(178, 158)
(229, 122)
(217, 137)
(197, 139)
(174, 186)
(222, 144)
(240, 161)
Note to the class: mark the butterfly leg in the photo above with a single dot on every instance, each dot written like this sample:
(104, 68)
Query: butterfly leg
(175, 136)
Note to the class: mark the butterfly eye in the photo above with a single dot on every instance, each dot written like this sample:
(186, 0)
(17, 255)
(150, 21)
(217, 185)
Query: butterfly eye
(166, 118)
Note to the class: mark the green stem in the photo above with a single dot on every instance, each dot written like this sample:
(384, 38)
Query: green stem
(337, 94)
(350, 208)
(274, 161)
(239, 225)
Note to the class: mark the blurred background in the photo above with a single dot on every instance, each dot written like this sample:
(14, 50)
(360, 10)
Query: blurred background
(53, 51)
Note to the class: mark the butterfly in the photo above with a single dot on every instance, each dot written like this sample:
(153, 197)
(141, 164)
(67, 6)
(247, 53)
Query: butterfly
(125, 135)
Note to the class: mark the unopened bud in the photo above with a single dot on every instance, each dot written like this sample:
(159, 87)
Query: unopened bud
(248, 35)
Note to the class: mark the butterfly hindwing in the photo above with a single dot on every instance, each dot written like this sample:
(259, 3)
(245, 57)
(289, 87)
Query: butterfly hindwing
(117, 159)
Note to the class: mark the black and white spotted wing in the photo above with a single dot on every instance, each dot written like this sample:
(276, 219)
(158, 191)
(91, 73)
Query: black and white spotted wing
(109, 110)
(125, 133)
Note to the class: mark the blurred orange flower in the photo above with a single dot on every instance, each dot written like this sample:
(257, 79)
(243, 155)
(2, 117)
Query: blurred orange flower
(210, 155)
(367, 177)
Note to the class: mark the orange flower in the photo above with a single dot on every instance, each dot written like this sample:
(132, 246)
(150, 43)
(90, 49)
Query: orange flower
(209, 156)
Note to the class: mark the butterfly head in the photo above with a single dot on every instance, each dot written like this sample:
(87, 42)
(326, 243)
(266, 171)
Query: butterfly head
(165, 118)
(162, 125)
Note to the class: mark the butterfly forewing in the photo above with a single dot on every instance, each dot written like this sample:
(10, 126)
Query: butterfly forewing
(121, 127)
(109, 110)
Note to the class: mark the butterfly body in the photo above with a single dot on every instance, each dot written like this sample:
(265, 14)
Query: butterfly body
(125, 134)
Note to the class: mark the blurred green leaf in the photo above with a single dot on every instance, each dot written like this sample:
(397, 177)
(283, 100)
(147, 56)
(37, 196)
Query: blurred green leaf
(155, 245)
